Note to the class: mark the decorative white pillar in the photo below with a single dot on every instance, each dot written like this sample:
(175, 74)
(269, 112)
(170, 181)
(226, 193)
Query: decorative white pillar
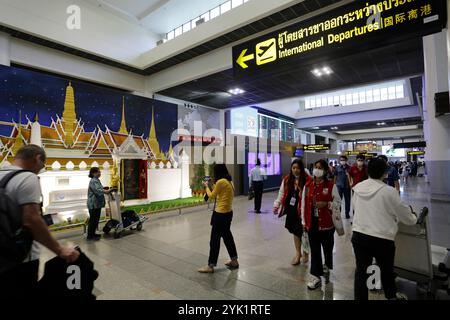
(36, 134)
(436, 130)
(185, 190)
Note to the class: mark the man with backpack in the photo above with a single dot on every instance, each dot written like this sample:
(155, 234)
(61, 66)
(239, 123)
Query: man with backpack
(22, 225)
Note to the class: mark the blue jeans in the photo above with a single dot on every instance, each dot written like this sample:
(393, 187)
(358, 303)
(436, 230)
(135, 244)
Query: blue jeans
(346, 192)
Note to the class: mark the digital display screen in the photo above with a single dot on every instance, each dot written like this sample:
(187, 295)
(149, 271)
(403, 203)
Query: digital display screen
(244, 121)
(389, 151)
(299, 152)
(270, 162)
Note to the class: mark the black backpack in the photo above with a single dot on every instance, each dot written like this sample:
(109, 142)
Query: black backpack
(15, 242)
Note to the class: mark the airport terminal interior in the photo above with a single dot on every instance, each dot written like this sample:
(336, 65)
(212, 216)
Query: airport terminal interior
(158, 94)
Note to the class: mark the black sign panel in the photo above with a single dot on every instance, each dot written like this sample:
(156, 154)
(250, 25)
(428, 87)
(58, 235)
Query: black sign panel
(410, 145)
(358, 26)
(316, 147)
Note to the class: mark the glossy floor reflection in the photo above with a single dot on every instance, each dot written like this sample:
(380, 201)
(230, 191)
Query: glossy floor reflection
(160, 262)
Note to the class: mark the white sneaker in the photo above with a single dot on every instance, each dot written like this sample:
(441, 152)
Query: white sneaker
(326, 273)
(314, 282)
(401, 296)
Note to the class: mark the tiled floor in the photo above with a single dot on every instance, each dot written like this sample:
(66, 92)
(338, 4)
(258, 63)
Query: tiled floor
(160, 262)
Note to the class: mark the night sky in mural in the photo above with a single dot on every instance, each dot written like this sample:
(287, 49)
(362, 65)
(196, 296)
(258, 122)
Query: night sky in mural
(33, 92)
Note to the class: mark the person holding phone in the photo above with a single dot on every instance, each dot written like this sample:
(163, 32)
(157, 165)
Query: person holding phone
(223, 193)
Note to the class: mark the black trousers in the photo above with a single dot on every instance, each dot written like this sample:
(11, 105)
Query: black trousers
(20, 282)
(346, 193)
(366, 248)
(319, 240)
(258, 189)
(94, 218)
(221, 224)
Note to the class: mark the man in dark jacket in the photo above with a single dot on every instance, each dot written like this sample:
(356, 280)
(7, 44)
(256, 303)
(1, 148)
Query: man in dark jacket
(62, 280)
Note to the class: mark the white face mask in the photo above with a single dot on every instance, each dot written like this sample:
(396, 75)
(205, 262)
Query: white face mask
(343, 163)
(318, 173)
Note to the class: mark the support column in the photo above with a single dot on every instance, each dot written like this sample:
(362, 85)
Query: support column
(5, 49)
(436, 130)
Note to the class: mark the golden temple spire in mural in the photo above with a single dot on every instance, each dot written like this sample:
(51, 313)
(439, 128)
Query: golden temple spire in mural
(123, 124)
(170, 150)
(18, 142)
(69, 115)
(152, 140)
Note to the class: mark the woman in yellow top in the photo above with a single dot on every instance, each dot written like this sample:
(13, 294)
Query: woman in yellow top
(223, 193)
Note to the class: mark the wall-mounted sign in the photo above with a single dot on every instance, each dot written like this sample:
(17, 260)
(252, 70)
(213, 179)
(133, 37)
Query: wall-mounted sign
(363, 25)
(410, 145)
(316, 147)
(355, 153)
(299, 152)
(369, 155)
(416, 153)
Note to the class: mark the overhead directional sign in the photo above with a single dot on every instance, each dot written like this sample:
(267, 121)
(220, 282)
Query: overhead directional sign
(241, 61)
(360, 25)
(355, 153)
(416, 153)
(316, 147)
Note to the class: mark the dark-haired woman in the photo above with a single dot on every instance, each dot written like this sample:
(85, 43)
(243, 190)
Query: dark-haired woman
(95, 202)
(223, 193)
(319, 198)
(289, 203)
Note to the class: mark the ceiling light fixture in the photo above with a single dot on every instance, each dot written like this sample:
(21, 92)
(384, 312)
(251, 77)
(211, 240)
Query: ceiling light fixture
(381, 123)
(322, 71)
(236, 91)
(316, 128)
(334, 128)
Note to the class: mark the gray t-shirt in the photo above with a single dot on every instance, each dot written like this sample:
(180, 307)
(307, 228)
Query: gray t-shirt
(24, 188)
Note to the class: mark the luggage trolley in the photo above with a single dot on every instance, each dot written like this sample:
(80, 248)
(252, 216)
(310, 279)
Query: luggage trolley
(121, 221)
(413, 256)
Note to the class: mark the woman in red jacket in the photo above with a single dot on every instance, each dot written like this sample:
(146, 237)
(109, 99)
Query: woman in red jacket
(289, 203)
(317, 203)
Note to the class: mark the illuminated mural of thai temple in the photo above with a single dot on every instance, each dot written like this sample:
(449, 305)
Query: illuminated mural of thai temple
(71, 151)
(68, 144)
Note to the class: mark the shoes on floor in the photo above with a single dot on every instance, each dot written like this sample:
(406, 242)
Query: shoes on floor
(401, 296)
(206, 269)
(232, 264)
(295, 261)
(314, 282)
(96, 237)
(304, 259)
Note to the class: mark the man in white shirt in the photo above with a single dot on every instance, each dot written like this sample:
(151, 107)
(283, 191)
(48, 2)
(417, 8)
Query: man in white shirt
(378, 210)
(25, 191)
(257, 176)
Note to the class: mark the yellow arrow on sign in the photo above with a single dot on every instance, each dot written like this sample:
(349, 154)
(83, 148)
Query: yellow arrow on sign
(243, 59)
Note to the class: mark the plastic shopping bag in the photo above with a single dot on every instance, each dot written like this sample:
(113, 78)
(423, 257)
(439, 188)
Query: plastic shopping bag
(337, 221)
(305, 243)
